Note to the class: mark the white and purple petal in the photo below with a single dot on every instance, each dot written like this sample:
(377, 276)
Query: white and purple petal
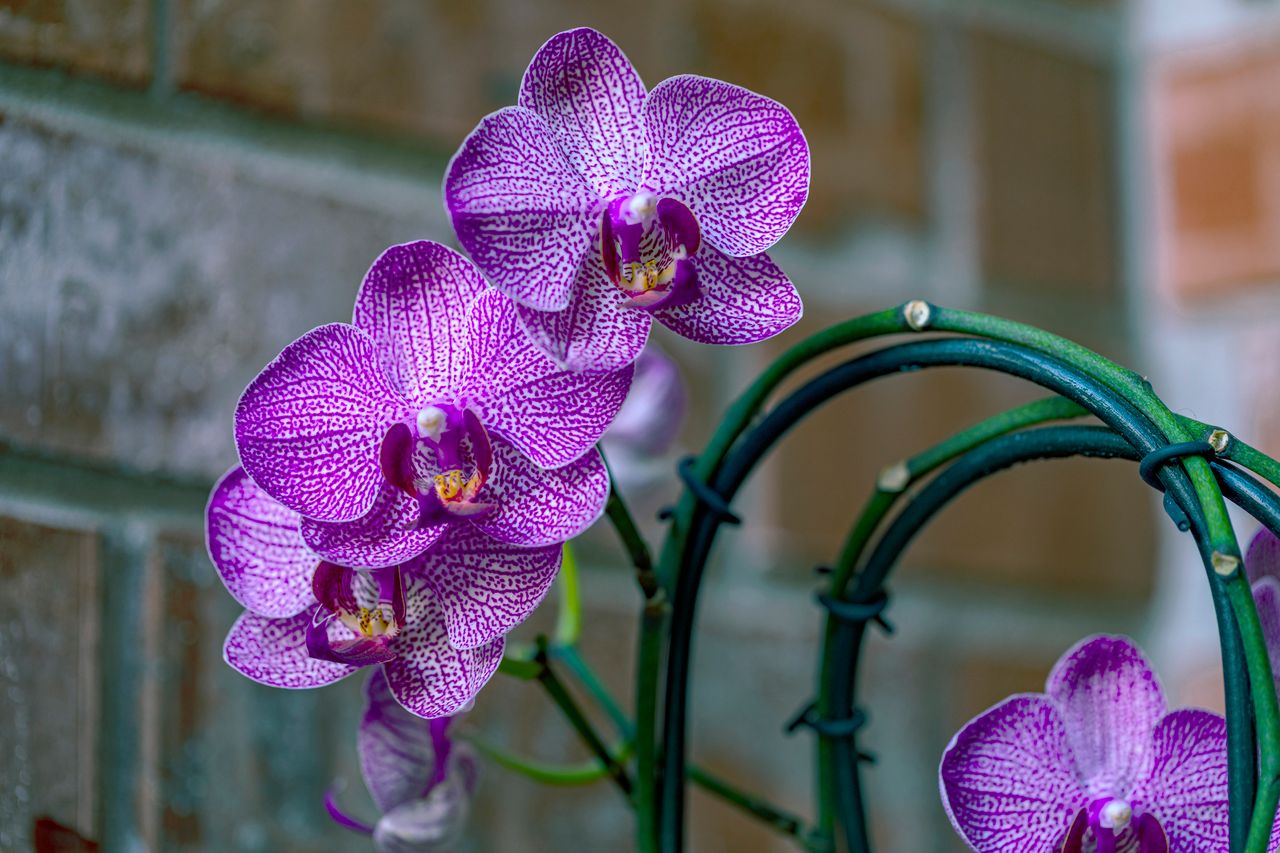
(254, 543)
(486, 587)
(389, 534)
(738, 160)
(552, 415)
(653, 413)
(413, 304)
(1110, 701)
(744, 300)
(543, 506)
(397, 749)
(1263, 557)
(429, 677)
(595, 333)
(274, 651)
(590, 95)
(309, 426)
(427, 824)
(520, 208)
(1007, 778)
(1185, 787)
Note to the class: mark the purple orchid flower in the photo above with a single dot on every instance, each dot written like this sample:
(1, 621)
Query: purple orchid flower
(432, 411)
(435, 623)
(599, 208)
(1262, 562)
(420, 779)
(1094, 763)
(647, 425)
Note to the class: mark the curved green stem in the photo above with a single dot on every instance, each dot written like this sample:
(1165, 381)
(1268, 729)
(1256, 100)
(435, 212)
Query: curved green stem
(565, 775)
(569, 617)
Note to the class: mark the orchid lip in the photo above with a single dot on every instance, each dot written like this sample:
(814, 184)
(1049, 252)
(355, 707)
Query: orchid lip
(373, 628)
(442, 459)
(648, 246)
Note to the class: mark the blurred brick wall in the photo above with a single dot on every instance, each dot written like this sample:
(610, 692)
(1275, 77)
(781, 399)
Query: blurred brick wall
(189, 184)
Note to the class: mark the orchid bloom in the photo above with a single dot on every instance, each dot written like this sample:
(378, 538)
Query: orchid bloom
(598, 207)
(420, 779)
(1095, 763)
(645, 430)
(432, 411)
(1262, 562)
(435, 624)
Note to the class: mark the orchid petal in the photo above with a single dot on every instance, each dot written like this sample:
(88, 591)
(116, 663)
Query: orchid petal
(1007, 779)
(429, 677)
(274, 651)
(595, 333)
(738, 160)
(397, 749)
(552, 415)
(1110, 701)
(1185, 787)
(744, 300)
(1263, 557)
(487, 587)
(653, 413)
(389, 534)
(254, 543)
(590, 95)
(309, 426)
(427, 824)
(540, 506)
(413, 304)
(520, 209)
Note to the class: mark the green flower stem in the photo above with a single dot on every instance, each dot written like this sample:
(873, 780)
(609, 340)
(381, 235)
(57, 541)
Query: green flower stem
(560, 695)
(591, 682)
(519, 667)
(629, 533)
(893, 482)
(569, 617)
(563, 775)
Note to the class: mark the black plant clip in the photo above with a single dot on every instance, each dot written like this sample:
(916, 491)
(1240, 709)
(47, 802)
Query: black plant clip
(859, 611)
(833, 729)
(707, 496)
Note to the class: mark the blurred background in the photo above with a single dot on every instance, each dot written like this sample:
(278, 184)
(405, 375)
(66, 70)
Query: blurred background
(187, 185)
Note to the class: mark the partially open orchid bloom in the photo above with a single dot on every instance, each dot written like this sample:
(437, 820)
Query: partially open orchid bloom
(434, 623)
(1093, 764)
(432, 411)
(646, 428)
(599, 207)
(420, 779)
(1262, 562)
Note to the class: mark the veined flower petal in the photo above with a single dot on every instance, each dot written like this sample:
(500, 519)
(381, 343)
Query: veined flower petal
(1185, 785)
(1110, 701)
(486, 587)
(738, 160)
(387, 535)
(429, 677)
(1007, 778)
(543, 506)
(744, 300)
(309, 426)
(413, 305)
(595, 333)
(1263, 557)
(590, 95)
(254, 543)
(552, 415)
(274, 651)
(520, 209)
(397, 749)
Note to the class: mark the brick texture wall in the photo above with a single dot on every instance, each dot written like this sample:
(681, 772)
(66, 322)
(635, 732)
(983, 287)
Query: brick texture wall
(187, 185)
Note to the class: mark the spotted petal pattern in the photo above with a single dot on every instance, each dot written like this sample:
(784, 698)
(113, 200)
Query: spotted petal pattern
(397, 750)
(254, 544)
(589, 94)
(309, 426)
(429, 677)
(274, 651)
(486, 587)
(1006, 778)
(736, 159)
(387, 535)
(413, 305)
(744, 300)
(595, 332)
(553, 416)
(541, 506)
(520, 209)
(1110, 701)
(1186, 786)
